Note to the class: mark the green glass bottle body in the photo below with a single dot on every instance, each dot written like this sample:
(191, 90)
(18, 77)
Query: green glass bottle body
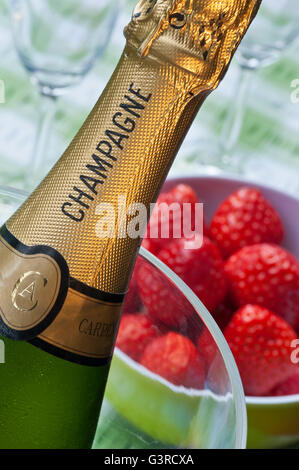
(47, 402)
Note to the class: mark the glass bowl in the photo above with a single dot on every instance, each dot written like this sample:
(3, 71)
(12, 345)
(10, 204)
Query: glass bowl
(144, 410)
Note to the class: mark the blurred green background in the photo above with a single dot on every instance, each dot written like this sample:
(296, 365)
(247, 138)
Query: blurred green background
(269, 141)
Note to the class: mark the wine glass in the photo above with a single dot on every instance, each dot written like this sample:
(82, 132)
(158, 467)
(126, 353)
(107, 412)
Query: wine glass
(58, 43)
(273, 30)
(146, 409)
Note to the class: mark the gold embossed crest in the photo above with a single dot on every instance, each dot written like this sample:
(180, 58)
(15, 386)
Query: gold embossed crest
(33, 288)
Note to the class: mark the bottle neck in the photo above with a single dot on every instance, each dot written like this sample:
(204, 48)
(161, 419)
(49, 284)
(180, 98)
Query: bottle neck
(122, 153)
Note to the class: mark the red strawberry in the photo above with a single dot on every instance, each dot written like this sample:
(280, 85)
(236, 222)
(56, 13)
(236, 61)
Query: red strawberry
(150, 245)
(183, 193)
(163, 302)
(135, 333)
(166, 224)
(261, 344)
(223, 313)
(132, 300)
(193, 327)
(289, 387)
(175, 358)
(245, 218)
(201, 267)
(266, 275)
(207, 347)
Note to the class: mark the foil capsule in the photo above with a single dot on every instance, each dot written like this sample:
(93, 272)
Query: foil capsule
(199, 36)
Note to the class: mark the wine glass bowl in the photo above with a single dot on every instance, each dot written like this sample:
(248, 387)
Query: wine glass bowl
(58, 42)
(273, 30)
(199, 406)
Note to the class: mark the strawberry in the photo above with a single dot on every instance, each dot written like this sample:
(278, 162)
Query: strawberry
(207, 347)
(266, 275)
(183, 193)
(201, 267)
(245, 218)
(261, 344)
(132, 301)
(163, 302)
(289, 387)
(175, 358)
(193, 327)
(135, 333)
(166, 224)
(150, 245)
(223, 313)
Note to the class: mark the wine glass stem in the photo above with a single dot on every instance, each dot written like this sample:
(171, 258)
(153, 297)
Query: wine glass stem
(46, 115)
(234, 123)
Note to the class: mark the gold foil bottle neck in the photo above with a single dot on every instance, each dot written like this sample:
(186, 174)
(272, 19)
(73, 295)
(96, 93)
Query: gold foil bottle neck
(199, 36)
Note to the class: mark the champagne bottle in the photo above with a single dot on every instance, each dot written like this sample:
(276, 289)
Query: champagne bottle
(62, 286)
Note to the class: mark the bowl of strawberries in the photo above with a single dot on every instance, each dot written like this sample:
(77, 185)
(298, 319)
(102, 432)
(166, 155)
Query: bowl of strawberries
(241, 265)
